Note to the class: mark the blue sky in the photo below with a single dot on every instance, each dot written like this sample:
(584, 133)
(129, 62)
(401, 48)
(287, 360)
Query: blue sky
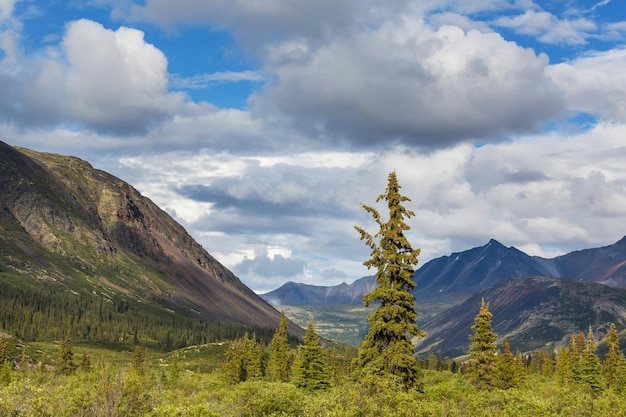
(262, 126)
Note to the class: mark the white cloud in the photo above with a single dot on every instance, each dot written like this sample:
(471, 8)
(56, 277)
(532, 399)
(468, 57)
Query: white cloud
(6, 9)
(548, 28)
(405, 82)
(595, 83)
(109, 81)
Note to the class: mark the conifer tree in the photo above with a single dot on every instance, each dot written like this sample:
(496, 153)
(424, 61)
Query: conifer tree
(66, 356)
(310, 369)
(388, 347)
(564, 368)
(508, 369)
(85, 363)
(138, 360)
(590, 373)
(614, 365)
(279, 359)
(4, 350)
(243, 360)
(483, 365)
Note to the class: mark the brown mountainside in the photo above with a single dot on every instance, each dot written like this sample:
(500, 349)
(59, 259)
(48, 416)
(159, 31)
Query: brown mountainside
(64, 222)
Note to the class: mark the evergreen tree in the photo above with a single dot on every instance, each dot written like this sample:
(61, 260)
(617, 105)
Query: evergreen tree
(85, 363)
(508, 368)
(4, 350)
(483, 365)
(564, 372)
(243, 360)
(388, 347)
(279, 359)
(590, 373)
(310, 369)
(138, 360)
(614, 366)
(66, 356)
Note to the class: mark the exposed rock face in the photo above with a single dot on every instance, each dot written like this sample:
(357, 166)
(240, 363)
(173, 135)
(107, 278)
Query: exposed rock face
(81, 226)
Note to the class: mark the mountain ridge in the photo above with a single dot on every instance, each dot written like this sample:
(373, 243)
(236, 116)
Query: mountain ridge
(64, 223)
(479, 268)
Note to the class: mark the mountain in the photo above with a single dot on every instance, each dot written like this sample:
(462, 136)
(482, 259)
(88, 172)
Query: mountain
(67, 226)
(472, 271)
(293, 293)
(534, 312)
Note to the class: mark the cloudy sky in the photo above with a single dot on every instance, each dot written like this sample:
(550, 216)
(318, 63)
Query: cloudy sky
(261, 126)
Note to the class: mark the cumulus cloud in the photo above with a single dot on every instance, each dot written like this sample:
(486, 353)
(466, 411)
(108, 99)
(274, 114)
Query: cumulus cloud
(408, 83)
(549, 28)
(595, 83)
(104, 80)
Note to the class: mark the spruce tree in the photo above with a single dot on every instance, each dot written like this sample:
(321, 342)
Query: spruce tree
(4, 350)
(508, 369)
(310, 368)
(388, 347)
(243, 360)
(66, 356)
(483, 365)
(590, 373)
(279, 359)
(614, 365)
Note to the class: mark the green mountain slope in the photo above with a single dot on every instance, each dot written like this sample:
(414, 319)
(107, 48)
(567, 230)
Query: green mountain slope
(69, 230)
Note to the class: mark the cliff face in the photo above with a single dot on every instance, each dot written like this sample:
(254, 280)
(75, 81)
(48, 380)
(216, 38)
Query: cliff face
(65, 222)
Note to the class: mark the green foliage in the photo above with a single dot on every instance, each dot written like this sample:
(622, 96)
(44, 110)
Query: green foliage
(279, 360)
(590, 368)
(310, 368)
(387, 348)
(111, 320)
(510, 373)
(4, 350)
(483, 365)
(66, 364)
(243, 360)
(614, 366)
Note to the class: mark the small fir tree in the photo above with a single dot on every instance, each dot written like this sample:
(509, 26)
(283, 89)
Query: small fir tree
(614, 365)
(243, 360)
(483, 366)
(66, 356)
(138, 360)
(388, 346)
(279, 359)
(310, 369)
(85, 363)
(590, 373)
(4, 350)
(508, 368)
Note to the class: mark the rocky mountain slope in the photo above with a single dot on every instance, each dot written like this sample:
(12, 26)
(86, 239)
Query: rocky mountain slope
(66, 224)
(534, 312)
(472, 271)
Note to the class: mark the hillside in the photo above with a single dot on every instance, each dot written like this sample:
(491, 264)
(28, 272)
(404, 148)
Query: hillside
(66, 227)
(534, 312)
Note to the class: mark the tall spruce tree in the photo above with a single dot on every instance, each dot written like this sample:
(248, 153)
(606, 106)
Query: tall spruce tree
(614, 365)
(483, 365)
(279, 358)
(388, 347)
(310, 368)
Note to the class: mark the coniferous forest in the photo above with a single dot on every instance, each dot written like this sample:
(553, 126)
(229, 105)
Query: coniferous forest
(110, 358)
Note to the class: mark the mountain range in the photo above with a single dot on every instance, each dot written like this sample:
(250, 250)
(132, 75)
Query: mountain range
(472, 271)
(68, 226)
(536, 302)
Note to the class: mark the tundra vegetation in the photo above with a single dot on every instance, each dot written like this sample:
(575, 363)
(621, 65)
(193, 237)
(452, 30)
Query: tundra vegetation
(254, 372)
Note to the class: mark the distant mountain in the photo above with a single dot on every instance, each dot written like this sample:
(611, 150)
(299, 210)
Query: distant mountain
(66, 225)
(534, 312)
(472, 271)
(292, 293)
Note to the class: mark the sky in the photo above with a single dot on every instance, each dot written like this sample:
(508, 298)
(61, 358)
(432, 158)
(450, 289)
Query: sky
(263, 125)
